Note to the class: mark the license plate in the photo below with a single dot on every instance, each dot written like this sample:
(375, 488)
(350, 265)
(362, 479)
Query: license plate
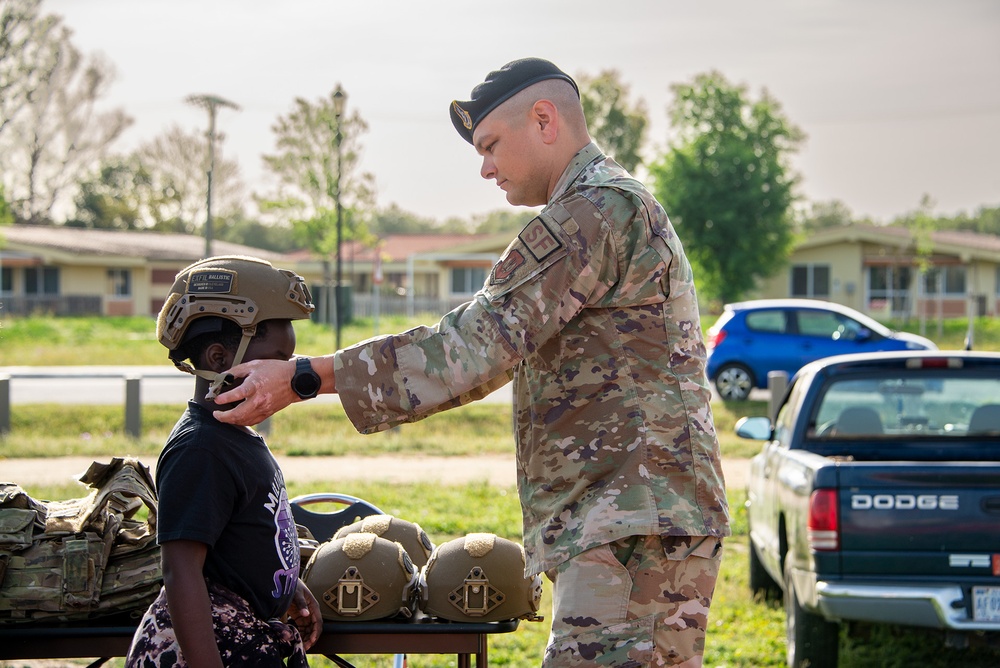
(986, 604)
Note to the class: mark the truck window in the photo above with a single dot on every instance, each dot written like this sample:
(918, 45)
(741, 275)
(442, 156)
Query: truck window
(905, 404)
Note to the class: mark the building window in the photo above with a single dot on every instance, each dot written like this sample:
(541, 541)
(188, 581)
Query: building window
(889, 286)
(467, 280)
(811, 280)
(946, 281)
(41, 281)
(6, 280)
(120, 282)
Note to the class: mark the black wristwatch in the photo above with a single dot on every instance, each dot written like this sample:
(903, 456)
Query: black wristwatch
(305, 382)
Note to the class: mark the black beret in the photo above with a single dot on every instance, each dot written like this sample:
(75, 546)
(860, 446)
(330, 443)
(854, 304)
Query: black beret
(500, 86)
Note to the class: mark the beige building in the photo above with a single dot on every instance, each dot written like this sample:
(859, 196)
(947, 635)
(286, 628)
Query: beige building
(886, 273)
(72, 271)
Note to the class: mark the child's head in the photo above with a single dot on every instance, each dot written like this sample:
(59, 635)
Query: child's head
(243, 304)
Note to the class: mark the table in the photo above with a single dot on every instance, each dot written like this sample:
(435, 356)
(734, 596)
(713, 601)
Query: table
(465, 640)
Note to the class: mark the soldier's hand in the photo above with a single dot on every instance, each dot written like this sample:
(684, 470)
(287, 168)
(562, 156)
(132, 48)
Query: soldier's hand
(265, 390)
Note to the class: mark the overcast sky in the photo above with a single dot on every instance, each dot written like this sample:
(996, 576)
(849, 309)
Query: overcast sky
(899, 98)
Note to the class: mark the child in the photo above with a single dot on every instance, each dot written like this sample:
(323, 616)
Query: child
(227, 538)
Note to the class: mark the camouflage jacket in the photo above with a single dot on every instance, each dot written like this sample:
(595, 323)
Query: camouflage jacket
(592, 312)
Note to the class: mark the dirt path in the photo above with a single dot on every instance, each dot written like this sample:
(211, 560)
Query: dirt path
(495, 469)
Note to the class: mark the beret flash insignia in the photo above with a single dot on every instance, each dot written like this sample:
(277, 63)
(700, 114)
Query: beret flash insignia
(463, 114)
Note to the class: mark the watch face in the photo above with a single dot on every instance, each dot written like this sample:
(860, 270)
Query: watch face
(306, 382)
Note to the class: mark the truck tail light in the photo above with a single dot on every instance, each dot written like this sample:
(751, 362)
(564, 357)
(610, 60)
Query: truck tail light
(823, 527)
(715, 338)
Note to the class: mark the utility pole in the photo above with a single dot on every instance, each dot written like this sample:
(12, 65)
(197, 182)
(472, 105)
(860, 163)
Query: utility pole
(339, 102)
(212, 103)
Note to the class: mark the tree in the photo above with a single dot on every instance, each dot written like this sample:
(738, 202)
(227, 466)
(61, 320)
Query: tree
(726, 183)
(824, 215)
(163, 186)
(26, 54)
(311, 179)
(54, 131)
(116, 197)
(616, 126)
(305, 164)
(177, 162)
(6, 215)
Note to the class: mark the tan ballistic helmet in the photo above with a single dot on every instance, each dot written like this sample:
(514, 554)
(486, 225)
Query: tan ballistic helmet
(362, 577)
(245, 290)
(414, 540)
(479, 578)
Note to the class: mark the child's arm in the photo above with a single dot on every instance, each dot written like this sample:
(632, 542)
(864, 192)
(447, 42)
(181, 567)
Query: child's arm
(306, 615)
(188, 601)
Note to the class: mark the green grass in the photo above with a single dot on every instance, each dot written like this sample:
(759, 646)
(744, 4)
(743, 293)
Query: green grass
(47, 341)
(51, 430)
(743, 632)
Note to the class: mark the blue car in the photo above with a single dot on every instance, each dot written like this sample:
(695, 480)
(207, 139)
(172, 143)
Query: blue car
(755, 337)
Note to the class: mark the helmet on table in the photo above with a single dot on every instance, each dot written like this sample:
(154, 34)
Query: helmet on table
(479, 578)
(362, 577)
(413, 539)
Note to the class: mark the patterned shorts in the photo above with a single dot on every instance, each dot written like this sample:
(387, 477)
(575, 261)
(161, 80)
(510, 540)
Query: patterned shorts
(243, 639)
(641, 601)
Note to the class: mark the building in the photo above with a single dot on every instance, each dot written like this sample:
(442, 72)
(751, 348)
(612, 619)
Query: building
(887, 272)
(72, 271)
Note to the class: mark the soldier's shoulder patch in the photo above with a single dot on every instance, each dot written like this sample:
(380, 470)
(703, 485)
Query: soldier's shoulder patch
(539, 239)
(504, 270)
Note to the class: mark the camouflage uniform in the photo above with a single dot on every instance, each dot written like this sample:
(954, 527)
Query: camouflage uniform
(592, 312)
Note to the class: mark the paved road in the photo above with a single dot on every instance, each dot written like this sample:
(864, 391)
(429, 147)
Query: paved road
(106, 385)
(160, 385)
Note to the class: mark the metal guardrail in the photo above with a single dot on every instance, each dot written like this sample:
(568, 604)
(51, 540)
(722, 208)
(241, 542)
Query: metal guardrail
(133, 389)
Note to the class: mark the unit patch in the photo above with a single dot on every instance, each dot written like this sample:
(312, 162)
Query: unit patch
(211, 281)
(505, 268)
(539, 240)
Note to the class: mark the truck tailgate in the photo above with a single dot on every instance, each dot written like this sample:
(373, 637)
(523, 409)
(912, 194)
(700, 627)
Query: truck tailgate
(919, 518)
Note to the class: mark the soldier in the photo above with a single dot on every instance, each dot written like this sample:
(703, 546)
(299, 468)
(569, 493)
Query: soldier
(591, 311)
(227, 538)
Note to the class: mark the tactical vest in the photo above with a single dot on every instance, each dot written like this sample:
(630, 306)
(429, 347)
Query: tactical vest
(76, 560)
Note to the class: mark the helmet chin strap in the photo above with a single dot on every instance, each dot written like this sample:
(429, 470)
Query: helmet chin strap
(220, 380)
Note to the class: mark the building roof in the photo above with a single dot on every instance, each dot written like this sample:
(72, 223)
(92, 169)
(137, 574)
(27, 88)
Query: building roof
(140, 245)
(966, 244)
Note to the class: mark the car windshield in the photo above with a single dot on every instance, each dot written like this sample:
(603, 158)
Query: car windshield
(904, 404)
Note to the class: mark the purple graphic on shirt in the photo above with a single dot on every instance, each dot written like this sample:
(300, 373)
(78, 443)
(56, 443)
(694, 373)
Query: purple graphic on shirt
(285, 540)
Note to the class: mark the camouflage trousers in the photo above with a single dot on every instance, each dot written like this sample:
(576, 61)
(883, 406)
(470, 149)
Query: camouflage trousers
(641, 601)
(244, 640)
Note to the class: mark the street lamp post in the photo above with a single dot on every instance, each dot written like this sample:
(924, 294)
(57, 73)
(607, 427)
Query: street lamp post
(212, 103)
(339, 101)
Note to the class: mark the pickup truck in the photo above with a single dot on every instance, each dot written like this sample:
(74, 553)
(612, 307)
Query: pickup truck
(876, 498)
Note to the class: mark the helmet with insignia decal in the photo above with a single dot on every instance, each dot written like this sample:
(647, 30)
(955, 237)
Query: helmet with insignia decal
(245, 290)
(362, 577)
(479, 578)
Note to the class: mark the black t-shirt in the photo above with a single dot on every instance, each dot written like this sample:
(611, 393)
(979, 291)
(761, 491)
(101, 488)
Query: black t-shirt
(219, 485)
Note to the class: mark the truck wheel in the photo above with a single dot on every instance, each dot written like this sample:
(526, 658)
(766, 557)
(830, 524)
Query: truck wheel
(812, 641)
(761, 582)
(734, 382)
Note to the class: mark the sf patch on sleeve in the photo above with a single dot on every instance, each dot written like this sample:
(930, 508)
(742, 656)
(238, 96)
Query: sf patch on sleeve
(535, 243)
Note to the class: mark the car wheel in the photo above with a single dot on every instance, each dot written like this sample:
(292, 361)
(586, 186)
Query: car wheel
(734, 382)
(761, 582)
(812, 642)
